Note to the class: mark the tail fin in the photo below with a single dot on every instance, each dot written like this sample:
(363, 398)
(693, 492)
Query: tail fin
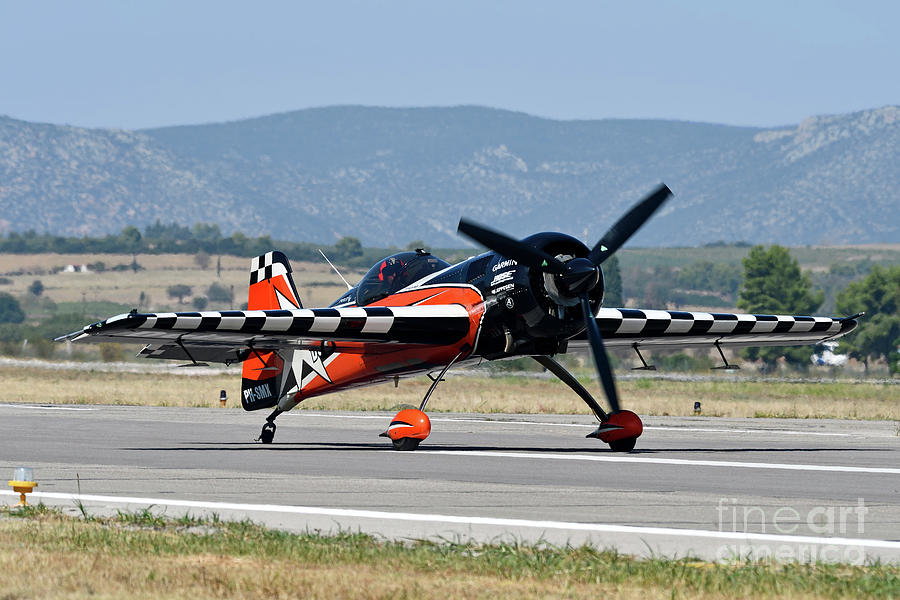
(271, 284)
(265, 376)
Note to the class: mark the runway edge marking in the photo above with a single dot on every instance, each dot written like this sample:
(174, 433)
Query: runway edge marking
(464, 520)
(662, 461)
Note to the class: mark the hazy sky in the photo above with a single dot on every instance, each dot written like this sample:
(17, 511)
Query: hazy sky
(144, 64)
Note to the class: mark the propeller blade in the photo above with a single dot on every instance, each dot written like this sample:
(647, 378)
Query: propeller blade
(601, 360)
(510, 248)
(625, 227)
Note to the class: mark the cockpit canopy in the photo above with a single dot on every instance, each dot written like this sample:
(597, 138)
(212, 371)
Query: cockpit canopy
(395, 273)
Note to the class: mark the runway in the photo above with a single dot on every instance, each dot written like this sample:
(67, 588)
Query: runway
(707, 487)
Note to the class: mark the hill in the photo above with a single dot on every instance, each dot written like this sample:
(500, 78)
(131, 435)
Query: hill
(389, 176)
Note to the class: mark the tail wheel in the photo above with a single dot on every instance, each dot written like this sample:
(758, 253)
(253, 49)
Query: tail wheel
(268, 433)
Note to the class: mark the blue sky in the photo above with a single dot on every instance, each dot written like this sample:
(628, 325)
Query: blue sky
(146, 64)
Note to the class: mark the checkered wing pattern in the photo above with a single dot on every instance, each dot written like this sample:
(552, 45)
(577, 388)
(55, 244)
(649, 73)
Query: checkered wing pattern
(219, 335)
(677, 329)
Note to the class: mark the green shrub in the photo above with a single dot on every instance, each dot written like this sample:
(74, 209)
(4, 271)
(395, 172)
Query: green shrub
(110, 352)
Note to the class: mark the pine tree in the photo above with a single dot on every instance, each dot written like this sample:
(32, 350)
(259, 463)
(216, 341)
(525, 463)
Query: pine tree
(878, 336)
(774, 284)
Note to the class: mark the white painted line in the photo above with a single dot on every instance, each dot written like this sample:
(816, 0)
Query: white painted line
(464, 520)
(45, 407)
(660, 461)
(587, 425)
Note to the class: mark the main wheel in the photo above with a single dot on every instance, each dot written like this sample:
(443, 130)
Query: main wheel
(625, 445)
(268, 433)
(406, 444)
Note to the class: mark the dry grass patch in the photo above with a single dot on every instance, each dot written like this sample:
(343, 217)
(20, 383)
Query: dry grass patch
(316, 282)
(470, 394)
(48, 386)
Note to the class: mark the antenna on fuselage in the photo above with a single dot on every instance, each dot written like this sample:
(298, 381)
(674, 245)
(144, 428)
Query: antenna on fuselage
(349, 287)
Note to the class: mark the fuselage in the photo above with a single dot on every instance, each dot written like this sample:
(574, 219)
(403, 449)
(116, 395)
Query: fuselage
(512, 312)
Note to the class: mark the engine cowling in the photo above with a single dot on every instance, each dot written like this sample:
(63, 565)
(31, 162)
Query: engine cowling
(538, 310)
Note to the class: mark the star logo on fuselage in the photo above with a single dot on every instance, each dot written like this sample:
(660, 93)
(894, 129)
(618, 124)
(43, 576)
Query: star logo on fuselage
(311, 362)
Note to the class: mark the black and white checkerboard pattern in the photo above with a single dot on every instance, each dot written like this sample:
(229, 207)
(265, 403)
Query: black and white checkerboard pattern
(444, 324)
(437, 324)
(268, 265)
(622, 326)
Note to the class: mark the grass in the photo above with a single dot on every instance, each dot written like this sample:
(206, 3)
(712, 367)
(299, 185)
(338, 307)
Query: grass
(46, 554)
(316, 282)
(507, 394)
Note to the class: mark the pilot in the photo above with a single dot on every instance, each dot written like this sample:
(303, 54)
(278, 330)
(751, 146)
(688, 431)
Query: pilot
(391, 270)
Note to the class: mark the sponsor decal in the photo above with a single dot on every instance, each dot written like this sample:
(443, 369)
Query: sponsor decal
(502, 278)
(504, 264)
(503, 288)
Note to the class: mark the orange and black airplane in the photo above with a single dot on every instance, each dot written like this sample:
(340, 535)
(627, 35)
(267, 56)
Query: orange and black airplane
(414, 314)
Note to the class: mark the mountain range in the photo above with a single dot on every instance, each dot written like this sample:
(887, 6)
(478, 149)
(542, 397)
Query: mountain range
(392, 175)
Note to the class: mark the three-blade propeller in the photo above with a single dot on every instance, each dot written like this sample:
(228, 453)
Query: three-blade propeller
(577, 277)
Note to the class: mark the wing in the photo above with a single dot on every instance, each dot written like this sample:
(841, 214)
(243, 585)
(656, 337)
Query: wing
(230, 336)
(678, 329)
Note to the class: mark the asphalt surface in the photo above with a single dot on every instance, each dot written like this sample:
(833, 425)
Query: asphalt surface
(708, 487)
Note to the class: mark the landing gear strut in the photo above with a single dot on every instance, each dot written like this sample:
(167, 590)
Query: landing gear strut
(268, 430)
(618, 429)
(410, 426)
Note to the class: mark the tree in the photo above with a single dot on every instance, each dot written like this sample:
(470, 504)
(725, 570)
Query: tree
(207, 234)
(878, 334)
(774, 284)
(10, 309)
(36, 287)
(219, 294)
(612, 279)
(130, 238)
(179, 290)
(348, 248)
(199, 302)
(202, 260)
(415, 244)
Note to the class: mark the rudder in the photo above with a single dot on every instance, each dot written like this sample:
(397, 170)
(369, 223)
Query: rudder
(264, 378)
(271, 284)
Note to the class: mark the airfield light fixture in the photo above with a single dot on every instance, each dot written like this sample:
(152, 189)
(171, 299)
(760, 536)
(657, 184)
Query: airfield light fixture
(223, 397)
(23, 483)
(697, 408)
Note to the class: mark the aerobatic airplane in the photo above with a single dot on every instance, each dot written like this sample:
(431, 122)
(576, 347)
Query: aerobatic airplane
(414, 314)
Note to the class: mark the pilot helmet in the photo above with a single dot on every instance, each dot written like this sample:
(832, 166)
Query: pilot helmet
(390, 268)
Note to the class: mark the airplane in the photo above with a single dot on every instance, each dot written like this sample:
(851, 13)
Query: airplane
(413, 313)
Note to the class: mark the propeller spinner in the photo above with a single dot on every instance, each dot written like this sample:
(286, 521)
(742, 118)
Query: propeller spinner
(577, 277)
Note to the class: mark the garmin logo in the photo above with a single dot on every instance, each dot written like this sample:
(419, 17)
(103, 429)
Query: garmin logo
(504, 264)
